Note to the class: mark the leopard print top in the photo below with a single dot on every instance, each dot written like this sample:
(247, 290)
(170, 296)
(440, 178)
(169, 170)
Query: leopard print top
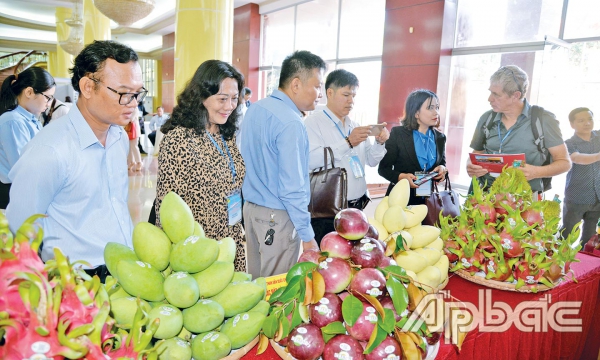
(191, 166)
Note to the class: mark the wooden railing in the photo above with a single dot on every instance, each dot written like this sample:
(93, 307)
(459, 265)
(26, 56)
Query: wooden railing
(16, 62)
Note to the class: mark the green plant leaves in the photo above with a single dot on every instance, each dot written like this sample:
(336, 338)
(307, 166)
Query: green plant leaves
(292, 289)
(398, 294)
(399, 244)
(301, 269)
(352, 307)
(332, 329)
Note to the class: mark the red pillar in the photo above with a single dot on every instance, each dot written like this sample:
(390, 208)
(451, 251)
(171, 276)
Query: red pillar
(168, 73)
(410, 60)
(246, 44)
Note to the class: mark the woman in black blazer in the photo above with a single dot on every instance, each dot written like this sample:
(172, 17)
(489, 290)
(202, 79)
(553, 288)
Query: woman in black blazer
(404, 157)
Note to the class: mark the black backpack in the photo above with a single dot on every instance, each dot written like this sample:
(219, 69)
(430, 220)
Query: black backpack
(538, 134)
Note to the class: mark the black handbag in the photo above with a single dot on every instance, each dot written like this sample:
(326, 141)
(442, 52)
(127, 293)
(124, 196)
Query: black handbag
(328, 189)
(447, 202)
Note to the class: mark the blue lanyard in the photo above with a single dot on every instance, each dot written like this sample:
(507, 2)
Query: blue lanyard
(336, 125)
(502, 138)
(231, 163)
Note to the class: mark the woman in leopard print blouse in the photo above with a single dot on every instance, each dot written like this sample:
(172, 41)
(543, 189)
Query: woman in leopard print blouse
(198, 157)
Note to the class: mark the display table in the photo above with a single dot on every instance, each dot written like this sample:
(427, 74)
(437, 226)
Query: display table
(516, 344)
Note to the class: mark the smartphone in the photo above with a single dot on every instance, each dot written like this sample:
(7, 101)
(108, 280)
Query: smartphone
(425, 178)
(376, 129)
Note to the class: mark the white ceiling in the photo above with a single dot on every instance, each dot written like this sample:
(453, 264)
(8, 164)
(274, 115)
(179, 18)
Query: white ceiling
(28, 21)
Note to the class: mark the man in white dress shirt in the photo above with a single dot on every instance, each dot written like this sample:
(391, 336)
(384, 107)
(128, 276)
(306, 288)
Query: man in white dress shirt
(156, 123)
(330, 126)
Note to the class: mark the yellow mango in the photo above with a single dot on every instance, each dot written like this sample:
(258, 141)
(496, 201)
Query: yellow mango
(400, 194)
(381, 208)
(430, 276)
(412, 275)
(394, 219)
(410, 260)
(432, 255)
(437, 244)
(423, 235)
(415, 214)
(443, 264)
(383, 234)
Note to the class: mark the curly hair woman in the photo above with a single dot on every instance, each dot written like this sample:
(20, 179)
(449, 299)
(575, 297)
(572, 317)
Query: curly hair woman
(198, 157)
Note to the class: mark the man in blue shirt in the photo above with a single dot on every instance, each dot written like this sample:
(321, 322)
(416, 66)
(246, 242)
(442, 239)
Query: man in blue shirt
(275, 150)
(156, 123)
(75, 169)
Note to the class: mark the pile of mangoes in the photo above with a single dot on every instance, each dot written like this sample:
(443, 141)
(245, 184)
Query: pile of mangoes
(188, 282)
(421, 253)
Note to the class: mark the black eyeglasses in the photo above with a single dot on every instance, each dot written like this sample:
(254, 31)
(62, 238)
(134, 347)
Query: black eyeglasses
(125, 98)
(48, 98)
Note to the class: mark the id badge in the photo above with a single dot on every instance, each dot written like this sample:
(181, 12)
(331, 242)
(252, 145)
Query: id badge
(234, 207)
(355, 165)
(425, 188)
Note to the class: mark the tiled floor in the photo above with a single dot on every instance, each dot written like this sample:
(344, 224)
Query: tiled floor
(142, 189)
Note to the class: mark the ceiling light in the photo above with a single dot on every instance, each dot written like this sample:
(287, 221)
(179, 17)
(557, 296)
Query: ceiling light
(125, 12)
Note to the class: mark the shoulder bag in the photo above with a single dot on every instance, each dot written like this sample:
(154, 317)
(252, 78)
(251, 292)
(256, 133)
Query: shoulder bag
(328, 189)
(447, 202)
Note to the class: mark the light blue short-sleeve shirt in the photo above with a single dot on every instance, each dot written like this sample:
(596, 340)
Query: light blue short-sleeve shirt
(81, 185)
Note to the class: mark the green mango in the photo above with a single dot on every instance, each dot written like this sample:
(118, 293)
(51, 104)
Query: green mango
(174, 349)
(123, 310)
(262, 307)
(227, 250)
(151, 245)
(154, 304)
(242, 328)
(261, 281)
(211, 346)
(171, 321)
(204, 316)
(116, 292)
(141, 279)
(181, 290)
(239, 276)
(198, 230)
(115, 252)
(185, 334)
(214, 279)
(176, 217)
(239, 297)
(194, 254)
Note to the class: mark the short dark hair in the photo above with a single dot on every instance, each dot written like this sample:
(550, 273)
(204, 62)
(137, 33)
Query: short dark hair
(247, 91)
(93, 58)
(190, 111)
(299, 65)
(577, 111)
(35, 77)
(414, 101)
(340, 78)
(159, 107)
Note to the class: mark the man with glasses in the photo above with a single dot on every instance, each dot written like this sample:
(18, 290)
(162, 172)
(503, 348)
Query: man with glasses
(75, 171)
(507, 129)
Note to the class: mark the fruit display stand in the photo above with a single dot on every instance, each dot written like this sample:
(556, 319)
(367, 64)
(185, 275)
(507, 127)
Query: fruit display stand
(432, 351)
(479, 278)
(513, 343)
